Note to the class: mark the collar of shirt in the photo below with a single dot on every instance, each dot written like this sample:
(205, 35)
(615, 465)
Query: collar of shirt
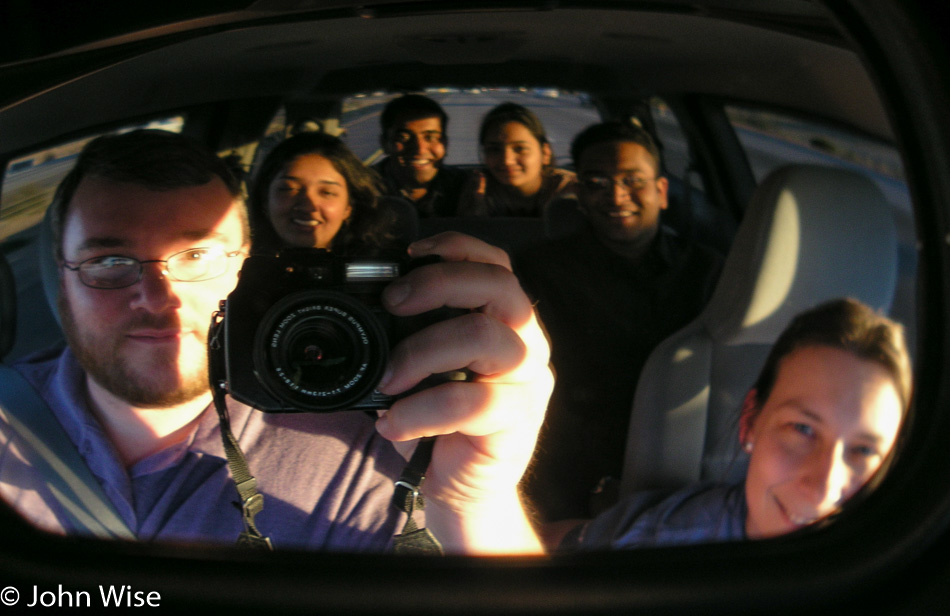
(72, 410)
(445, 183)
(663, 253)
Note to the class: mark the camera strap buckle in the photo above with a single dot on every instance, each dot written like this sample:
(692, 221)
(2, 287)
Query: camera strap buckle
(250, 507)
(408, 498)
(252, 501)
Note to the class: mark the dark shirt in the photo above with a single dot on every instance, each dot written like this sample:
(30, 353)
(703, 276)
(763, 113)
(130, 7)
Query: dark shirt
(605, 315)
(442, 193)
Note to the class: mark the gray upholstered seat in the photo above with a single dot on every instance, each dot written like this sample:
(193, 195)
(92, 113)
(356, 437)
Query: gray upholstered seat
(7, 307)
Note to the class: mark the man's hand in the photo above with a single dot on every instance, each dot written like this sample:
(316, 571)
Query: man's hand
(487, 427)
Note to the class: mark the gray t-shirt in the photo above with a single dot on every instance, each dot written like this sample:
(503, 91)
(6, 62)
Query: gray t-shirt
(327, 479)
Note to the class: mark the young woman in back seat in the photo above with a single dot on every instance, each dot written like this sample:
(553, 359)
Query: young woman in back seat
(819, 422)
(312, 192)
(519, 178)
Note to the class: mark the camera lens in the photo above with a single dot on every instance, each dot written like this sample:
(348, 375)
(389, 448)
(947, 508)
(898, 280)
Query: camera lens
(320, 351)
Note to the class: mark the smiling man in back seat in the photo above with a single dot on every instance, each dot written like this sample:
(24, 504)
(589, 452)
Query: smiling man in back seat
(415, 140)
(608, 295)
(150, 230)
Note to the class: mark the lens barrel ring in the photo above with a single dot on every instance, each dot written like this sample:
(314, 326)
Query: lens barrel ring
(320, 350)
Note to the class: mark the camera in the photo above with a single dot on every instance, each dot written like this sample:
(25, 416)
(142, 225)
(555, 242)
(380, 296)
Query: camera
(304, 331)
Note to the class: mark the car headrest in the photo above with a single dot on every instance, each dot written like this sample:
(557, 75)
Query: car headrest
(816, 233)
(563, 217)
(7, 307)
(406, 228)
(49, 269)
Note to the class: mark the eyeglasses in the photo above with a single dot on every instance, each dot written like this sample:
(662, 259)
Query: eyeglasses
(117, 272)
(601, 183)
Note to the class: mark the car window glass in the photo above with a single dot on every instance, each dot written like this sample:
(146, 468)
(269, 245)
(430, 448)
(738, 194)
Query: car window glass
(807, 141)
(278, 123)
(690, 213)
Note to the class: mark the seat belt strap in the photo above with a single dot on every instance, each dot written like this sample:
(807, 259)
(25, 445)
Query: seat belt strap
(47, 448)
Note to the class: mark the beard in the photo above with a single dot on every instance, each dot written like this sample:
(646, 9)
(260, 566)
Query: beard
(136, 382)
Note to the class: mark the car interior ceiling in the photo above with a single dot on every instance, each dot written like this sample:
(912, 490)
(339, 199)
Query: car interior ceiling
(403, 53)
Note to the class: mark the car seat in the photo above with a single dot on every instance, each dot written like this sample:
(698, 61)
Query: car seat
(510, 233)
(406, 225)
(49, 268)
(28, 323)
(563, 217)
(7, 307)
(810, 234)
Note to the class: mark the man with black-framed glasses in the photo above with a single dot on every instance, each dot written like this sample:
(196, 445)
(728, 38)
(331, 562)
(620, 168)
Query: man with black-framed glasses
(149, 230)
(608, 295)
(622, 190)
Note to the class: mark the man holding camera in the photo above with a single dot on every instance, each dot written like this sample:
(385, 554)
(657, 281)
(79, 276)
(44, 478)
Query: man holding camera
(149, 231)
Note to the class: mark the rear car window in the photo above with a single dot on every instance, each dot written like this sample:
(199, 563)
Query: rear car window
(563, 114)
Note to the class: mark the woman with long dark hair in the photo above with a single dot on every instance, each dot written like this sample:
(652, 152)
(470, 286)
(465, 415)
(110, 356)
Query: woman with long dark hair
(312, 192)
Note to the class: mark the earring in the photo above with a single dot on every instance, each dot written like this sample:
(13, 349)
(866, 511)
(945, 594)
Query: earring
(748, 447)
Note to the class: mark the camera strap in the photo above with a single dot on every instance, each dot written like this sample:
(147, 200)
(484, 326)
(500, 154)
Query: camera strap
(408, 498)
(252, 502)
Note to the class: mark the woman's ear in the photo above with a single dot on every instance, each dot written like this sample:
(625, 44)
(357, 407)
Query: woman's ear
(546, 154)
(750, 410)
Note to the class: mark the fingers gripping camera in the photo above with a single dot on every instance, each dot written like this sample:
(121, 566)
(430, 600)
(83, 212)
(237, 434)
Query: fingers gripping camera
(304, 331)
